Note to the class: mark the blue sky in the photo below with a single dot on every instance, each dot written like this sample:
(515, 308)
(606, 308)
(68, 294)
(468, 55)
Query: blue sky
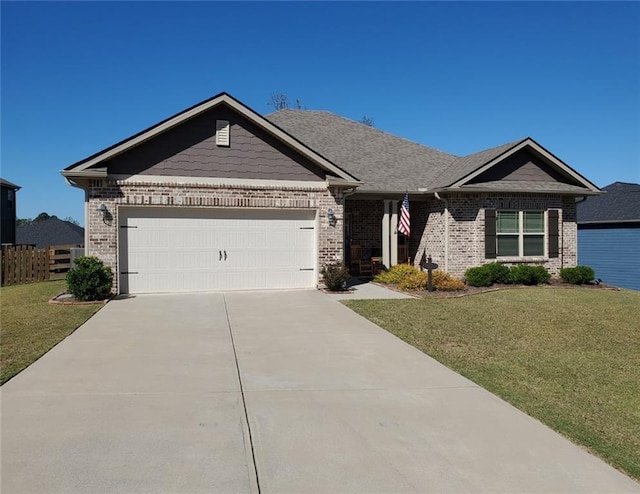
(461, 77)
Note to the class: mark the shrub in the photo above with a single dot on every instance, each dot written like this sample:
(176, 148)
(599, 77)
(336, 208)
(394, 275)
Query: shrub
(414, 280)
(90, 279)
(577, 275)
(529, 275)
(444, 282)
(395, 275)
(499, 272)
(451, 285)
(478, 276)
(335, 276)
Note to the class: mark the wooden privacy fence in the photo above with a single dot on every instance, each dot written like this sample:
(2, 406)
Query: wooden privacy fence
(26, 264)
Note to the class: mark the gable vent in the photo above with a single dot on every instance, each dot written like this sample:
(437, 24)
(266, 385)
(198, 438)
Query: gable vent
(222, 132)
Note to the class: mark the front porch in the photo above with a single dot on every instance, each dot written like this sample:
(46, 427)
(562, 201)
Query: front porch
(371, 238)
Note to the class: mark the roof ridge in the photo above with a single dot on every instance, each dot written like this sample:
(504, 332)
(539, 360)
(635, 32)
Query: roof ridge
(369, 127)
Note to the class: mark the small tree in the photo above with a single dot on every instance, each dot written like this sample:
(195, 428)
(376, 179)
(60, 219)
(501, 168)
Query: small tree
(279, 101)
(368, 121)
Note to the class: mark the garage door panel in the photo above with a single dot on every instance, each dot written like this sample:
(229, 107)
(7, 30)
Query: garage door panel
(187, 249)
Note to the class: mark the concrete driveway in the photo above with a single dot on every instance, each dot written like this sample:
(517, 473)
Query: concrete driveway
(154, 392)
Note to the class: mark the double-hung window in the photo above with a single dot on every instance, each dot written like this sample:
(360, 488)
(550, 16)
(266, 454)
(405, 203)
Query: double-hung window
(520, 233)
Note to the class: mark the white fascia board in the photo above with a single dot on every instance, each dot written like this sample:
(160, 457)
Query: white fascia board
(213, 181)
(340, 182)
(528, 142)
(95, 173)
(241, 109)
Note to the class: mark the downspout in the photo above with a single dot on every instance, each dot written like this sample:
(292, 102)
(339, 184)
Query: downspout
(72, 183)
(446, 230)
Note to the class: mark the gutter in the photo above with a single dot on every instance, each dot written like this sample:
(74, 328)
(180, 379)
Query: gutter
(446, 229)
(72, 183)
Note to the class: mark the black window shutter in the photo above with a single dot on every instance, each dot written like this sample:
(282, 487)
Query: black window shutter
(553, 233)
(490, 233)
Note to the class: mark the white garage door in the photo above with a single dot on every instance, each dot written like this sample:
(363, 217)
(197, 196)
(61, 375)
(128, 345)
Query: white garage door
(188, 249)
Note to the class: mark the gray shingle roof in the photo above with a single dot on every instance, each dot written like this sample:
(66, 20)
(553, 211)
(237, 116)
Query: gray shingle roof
(8, 184)
(465, 165)
(50, 232)
(382, 161)
(621, 202)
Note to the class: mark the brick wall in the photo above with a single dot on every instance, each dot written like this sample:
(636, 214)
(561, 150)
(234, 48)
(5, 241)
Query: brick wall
(103, 234)
(466, 229)
(365, 218)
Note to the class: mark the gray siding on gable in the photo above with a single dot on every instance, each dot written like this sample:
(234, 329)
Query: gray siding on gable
(522, 166)
(612, 253)
(190, 150)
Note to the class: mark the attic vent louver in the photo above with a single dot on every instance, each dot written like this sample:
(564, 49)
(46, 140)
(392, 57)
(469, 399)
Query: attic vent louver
(222, 132)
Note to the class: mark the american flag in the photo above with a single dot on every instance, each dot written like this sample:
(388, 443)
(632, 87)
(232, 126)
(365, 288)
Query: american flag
(405, 225)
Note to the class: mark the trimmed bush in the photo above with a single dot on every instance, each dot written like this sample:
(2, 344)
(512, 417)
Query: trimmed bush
(335, 276)
(89, 279)
(478, 276)
(395, 275)
(578, 275)
(524, 274)
(499, 272)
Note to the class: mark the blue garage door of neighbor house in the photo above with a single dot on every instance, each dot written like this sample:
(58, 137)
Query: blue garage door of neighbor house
(613, 253)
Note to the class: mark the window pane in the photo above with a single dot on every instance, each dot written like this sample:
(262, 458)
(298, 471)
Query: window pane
(508, 245)
(507, 222)
(534, 222)
(534, 245)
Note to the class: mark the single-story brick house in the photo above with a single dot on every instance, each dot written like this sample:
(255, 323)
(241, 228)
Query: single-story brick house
(219, 197)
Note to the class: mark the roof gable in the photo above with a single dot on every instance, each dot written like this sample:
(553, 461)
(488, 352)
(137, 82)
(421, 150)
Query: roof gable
(501, 164)
(90, 166)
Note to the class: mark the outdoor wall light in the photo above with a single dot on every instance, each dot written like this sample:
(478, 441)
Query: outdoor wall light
(331, 216)
(104, 212)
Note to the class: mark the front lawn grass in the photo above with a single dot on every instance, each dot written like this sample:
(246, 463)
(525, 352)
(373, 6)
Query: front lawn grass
(31, 326)
(568, 357)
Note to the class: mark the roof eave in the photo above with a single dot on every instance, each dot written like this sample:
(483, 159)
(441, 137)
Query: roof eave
(586, 192)
(92, 173)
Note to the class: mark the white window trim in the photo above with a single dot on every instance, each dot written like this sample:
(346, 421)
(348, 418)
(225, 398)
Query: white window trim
(521, 234)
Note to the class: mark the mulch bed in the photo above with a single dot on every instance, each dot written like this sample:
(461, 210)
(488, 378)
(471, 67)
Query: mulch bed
(67, 299)
(475, 290)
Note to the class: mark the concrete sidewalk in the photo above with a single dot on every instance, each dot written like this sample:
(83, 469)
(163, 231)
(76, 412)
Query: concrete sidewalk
(145, 397)
(365, 290)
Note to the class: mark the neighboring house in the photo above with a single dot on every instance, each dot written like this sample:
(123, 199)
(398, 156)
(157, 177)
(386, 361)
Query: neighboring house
(609, 234)
(8, 211)
(220, 197)
(50, 232)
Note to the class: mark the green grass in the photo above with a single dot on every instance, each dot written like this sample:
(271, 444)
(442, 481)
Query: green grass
(569, 357)
(31, 326)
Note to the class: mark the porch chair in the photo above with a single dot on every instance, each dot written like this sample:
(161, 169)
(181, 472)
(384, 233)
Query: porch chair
(358, 265)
